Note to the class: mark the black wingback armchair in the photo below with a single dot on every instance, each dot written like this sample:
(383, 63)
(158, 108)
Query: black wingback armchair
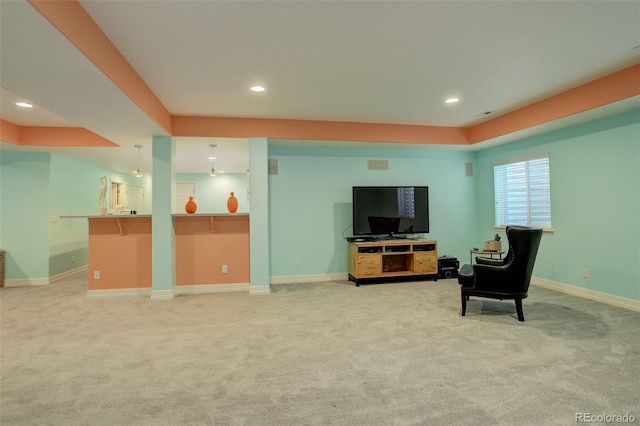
(506, 278)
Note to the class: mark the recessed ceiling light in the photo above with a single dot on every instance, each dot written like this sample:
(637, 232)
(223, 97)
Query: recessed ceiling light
(452, 100)
(24, 105)
(257, 88)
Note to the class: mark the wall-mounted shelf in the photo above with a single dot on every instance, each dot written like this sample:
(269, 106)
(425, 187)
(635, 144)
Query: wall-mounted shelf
(212, 217)
(119, 219)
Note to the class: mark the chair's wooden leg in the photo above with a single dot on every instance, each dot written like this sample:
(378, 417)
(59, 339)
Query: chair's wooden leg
(519, 309)
(464, 298)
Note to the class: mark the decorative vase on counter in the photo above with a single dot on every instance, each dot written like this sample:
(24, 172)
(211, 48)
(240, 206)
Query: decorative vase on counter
(232, 204)
(191, 206)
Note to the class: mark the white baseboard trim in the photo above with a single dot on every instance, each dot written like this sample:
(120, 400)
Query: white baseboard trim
(120, 292)
(162, 294)
(316, 278)
(26, 282)
(210, 288)
(179, 290)
(259, 290)
(68, 274)
(620, 302)
(167, 294)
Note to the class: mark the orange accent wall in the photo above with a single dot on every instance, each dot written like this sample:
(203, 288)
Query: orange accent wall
(202, 250)
(614, 87)
(70, 18)
(62, 136)
(124, 261)
(316, 130)
(9, 132)
(50, 136)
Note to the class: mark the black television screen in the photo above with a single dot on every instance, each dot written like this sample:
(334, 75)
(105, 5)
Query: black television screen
(390, 210)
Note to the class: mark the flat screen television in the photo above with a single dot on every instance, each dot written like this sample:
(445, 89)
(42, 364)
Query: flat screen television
(390, 210)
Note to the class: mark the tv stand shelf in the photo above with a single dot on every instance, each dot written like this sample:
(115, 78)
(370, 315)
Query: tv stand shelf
(372, 261)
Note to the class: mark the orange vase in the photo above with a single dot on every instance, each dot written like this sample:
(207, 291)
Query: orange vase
(232, 204)
(191, 206)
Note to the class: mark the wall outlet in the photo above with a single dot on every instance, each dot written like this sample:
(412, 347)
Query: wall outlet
(96, 275)
(224, 269)
(585, 272)
(296, 262)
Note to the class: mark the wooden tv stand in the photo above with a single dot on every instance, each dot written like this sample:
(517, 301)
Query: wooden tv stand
(376, 260)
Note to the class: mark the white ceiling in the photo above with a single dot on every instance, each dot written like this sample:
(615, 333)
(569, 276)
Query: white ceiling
(378, 61)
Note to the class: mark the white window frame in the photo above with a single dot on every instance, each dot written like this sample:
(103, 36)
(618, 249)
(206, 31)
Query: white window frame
(522, 192)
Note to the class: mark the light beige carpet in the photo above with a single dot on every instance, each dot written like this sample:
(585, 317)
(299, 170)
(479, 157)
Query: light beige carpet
(313, 354)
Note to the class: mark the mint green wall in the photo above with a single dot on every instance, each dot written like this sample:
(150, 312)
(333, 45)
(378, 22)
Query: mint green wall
(595, 181)
(24, 214)
(39, 244)
(595, 202)
(70, 196)
(310, 201)
(212, 193)
(74, 188)
(259, 252)
(163, 260)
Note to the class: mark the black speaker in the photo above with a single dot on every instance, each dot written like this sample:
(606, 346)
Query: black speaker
(448, 267)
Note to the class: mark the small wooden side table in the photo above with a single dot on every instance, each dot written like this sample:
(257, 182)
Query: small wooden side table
(483, 252)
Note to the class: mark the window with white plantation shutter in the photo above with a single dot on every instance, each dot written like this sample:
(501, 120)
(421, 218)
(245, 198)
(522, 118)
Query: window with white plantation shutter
(523, 193)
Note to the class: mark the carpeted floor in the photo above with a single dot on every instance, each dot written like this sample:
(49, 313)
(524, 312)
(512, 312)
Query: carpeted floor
(313, 354)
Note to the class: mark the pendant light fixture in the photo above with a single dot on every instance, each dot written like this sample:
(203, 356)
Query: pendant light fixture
(136, 172)
(212, 157)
